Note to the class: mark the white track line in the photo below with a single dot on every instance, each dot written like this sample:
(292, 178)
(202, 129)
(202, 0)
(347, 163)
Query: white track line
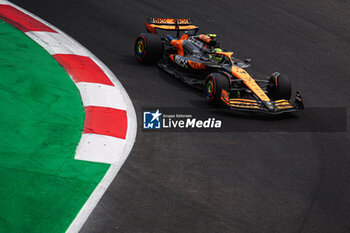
(57, 43)
(97, 145)
(94, 94)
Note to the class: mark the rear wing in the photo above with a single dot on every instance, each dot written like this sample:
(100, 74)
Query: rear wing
(169, 24)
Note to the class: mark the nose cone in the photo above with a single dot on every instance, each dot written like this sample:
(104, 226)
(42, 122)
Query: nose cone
(270, 106)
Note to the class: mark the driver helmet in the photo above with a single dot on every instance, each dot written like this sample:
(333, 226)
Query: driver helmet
(217, 57)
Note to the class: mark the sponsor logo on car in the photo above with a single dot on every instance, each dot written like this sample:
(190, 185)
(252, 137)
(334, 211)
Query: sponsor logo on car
(181, 61)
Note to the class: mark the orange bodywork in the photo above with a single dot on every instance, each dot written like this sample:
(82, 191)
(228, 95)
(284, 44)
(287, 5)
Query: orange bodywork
(243, 104)
(247, 79)
(249, 82)
(193, 64)
(225, 97)
(283, 104)
(170, 24)
(172, 57)
(227, 54)
(205, 38)
(152, 27)
(243, 100)
(178, 44)
(169, 21)
(196, 65)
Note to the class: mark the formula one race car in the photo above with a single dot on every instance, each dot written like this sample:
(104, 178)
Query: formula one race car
(198, 60)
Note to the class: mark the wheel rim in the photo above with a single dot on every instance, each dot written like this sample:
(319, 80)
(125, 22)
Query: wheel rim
(140, 47)
(209, 89)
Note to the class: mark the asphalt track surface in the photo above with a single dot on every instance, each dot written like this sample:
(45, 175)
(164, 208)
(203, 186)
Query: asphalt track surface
(274, 181)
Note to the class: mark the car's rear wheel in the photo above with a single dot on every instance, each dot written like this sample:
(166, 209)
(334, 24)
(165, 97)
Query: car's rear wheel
(279, 87)
(213, 86)
(148, 48)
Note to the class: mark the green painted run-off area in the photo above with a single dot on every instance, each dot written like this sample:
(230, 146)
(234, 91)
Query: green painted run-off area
(41, 120)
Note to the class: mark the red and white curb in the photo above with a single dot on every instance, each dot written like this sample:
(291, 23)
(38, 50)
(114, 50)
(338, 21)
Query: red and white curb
(110, 121)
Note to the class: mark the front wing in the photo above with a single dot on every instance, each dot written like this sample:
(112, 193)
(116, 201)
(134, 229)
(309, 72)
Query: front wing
(270, 107)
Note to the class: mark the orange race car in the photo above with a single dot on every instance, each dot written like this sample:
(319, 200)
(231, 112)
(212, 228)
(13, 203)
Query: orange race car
(198, 60)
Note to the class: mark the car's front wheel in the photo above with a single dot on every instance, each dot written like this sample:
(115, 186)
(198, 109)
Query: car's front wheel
(279, 87)
(213, 86)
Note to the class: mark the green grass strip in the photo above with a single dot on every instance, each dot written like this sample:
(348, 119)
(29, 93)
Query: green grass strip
(41, 120)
